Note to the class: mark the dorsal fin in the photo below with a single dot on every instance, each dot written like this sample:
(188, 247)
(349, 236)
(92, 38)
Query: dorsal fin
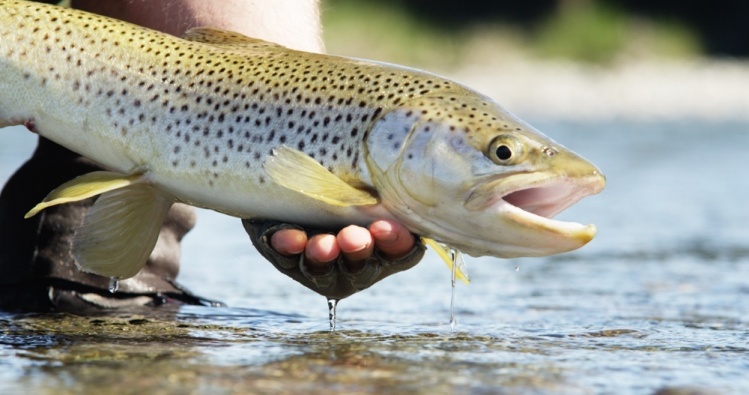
(227, 39)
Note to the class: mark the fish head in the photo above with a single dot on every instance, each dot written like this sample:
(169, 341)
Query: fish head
(460, 169)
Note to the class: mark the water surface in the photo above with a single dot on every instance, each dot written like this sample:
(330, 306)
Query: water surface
(660, 299)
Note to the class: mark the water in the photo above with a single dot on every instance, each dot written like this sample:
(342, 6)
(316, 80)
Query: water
(332, 304)
(114, 284)
(660, 299)
(457, 260)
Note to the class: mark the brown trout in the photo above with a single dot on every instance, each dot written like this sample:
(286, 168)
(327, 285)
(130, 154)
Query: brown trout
(255, 130)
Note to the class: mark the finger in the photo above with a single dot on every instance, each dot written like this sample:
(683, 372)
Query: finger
(320, 252)
(289, 242)
(392, 238)
(356, 244)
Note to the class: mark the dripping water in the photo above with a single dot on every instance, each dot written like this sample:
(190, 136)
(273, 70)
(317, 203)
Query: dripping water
(332, 304)
(114, 284)
(456, 258)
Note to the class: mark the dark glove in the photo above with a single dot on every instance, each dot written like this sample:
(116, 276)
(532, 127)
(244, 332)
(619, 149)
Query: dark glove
(338, 282)
(36, 268)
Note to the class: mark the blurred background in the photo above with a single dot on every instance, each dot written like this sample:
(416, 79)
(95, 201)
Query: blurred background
(565, 59)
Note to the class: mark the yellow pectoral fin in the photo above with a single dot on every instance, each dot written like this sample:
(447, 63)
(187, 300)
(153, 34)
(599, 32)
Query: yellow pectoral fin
(120, 231)
(444, 252)
(298, 171)
(84, 187)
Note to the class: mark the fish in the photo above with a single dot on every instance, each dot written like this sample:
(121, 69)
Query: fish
(252, 129)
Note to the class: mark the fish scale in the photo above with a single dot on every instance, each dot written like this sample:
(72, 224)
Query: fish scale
(253, 129)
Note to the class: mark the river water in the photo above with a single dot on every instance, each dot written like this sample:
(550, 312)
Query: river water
(658, 301)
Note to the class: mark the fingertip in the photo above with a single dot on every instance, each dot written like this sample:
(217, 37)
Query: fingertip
(356, 244)
(392, 238)
(320, 251)
(289, 241)
(387, 231)
(354, 238)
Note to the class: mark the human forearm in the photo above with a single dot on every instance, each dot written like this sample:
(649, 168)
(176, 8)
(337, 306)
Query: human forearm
(292, 23)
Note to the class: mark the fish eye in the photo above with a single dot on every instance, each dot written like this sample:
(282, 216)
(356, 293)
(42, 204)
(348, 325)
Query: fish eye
(505, 150)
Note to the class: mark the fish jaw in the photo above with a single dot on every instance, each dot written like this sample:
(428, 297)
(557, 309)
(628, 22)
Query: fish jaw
(527, 203)
(517, 221)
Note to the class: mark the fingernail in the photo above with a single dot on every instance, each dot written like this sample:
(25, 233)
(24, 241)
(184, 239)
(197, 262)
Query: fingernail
(387, 236)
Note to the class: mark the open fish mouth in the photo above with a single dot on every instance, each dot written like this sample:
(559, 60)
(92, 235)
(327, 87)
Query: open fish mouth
(547, 201)
(532, 201)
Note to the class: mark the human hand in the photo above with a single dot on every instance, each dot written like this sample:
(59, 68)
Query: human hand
(337, 266)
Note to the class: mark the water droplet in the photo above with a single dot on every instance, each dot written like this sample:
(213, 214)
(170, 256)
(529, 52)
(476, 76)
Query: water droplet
(332, 304)
(114, 284)
(456, 257)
